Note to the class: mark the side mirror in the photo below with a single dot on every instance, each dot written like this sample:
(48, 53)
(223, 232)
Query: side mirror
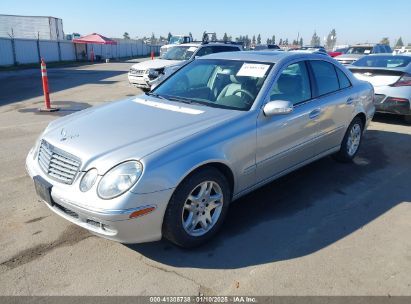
(277, 107)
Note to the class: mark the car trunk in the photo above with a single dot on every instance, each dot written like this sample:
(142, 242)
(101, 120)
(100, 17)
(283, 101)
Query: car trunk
(378, 77)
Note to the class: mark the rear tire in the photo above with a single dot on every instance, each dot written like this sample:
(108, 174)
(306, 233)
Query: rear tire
(197, 208)
(351, 141)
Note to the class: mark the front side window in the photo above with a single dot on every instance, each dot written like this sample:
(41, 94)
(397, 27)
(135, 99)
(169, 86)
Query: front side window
(293, 84)
(229, 84)
(325, 77)
(179, 53)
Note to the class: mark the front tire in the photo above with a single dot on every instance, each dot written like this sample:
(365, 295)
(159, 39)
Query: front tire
(197, 208)
(351, 141)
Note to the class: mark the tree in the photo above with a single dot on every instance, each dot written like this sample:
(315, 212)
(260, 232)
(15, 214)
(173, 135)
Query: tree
(315, 40)
(273, 39)
(191, 36)
(153, 39)
(259, 39)
(247, 42)
(385, 40)
(253, 40)
(213, 37)
(286, 41)
(399, 43)
(205, 37)
(169, 36)
(225, 37)
(281, 41)
(126, 36)
(331, 39)
(268, 41)
(301, 42)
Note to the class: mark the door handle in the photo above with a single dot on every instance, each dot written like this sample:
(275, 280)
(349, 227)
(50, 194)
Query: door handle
(349, 100)
(315, 113)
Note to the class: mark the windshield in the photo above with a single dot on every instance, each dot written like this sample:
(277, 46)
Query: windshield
(228, 84)
(176, 40)
(359, 50)
(179, 53)
(383, 61)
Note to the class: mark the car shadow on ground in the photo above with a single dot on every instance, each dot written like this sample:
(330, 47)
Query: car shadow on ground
(26, 84)
(391, 119)
(300, 213)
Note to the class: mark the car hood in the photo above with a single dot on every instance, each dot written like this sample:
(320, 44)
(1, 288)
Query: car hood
(106, 135)
(154, 64)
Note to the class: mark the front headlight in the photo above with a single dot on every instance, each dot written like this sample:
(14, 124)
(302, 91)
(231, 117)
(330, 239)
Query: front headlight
(152, 74)
(119, 179)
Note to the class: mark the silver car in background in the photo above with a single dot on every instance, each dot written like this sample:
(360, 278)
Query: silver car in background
(169, 163)
(391, 77)
(358, 51)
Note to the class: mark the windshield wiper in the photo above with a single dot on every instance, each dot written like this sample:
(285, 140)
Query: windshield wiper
(155, 95)
(187, 100)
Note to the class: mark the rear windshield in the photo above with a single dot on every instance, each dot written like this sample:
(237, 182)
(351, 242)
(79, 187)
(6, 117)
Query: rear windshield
(359, 50)
(384, 61)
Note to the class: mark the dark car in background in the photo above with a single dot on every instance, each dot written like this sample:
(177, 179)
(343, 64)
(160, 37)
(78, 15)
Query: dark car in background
(355, 52)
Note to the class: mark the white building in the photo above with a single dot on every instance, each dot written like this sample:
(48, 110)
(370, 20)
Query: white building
(31, 27)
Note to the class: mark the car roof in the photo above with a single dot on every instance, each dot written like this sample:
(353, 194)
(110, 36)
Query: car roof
(262, 56)
(199, 44)
(388, 54)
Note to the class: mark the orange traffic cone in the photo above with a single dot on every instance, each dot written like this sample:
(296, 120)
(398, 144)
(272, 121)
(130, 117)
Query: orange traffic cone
(45, 81)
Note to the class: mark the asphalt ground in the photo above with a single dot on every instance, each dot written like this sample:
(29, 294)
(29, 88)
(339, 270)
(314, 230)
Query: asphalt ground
(326, 229)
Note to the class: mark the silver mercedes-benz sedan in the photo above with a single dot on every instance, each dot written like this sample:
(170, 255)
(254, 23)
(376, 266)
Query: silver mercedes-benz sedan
(391, 77)
(169, 163)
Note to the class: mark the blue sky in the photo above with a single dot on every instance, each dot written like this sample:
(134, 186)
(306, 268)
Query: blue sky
(354, 20)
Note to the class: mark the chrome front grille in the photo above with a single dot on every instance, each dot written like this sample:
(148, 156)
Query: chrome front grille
(58, 164)
(137, 72)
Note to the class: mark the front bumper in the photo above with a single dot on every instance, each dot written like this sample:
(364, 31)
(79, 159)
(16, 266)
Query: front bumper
(139, 81)
(113, 224)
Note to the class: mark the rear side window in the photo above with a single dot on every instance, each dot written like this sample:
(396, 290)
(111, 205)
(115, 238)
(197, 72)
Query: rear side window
(204, 51)
(223, 48)
(325, 77)
(343, 79)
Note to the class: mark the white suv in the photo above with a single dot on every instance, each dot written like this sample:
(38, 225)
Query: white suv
(145, 74)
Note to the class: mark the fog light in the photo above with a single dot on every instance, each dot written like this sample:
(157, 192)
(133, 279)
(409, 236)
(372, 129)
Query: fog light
(88, 180)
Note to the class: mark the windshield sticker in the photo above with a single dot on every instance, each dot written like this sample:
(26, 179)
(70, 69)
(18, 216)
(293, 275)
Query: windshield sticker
(253, 70)
(168, 107)
(192, 49)
(367, 51)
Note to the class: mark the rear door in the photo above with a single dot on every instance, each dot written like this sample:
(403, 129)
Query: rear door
(285, 141)
(336, 98)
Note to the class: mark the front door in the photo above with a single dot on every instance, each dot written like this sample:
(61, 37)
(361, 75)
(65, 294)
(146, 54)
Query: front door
(285, 141)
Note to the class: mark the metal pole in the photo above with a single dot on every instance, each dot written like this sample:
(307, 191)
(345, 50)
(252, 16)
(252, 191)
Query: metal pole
(38, 46)
(13, 47)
